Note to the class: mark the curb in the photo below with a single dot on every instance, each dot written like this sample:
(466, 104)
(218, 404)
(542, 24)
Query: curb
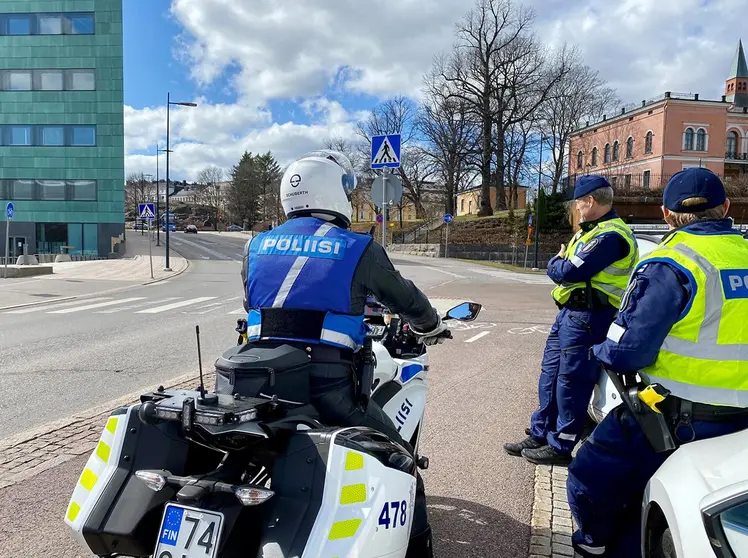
(98, 293)
(551, 524)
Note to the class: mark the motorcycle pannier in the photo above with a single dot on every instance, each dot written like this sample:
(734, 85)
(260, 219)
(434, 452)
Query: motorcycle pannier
(253, 371)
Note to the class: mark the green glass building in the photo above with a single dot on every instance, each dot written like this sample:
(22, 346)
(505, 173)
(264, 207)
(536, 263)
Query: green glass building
(61, 125)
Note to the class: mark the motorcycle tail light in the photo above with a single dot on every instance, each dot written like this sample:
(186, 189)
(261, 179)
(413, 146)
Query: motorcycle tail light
(252, 496)
(154, 481)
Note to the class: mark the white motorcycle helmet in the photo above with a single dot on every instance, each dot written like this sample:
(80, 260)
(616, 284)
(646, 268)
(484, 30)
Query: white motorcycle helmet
(319, 183)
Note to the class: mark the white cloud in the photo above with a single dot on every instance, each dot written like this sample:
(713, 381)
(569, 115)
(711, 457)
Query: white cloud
(302, 50)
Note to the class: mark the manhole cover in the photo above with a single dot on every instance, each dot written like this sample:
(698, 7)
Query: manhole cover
(45, 295)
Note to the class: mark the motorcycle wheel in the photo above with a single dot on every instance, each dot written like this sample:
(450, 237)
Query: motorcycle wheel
(421, 546)
(665, 547)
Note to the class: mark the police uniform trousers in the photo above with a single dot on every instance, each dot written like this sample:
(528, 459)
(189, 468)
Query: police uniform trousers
(568, 375)
(608, 476)
(333, 395)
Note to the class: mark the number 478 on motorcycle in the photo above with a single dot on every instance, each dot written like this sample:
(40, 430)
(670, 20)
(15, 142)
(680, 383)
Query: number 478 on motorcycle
(399, 515)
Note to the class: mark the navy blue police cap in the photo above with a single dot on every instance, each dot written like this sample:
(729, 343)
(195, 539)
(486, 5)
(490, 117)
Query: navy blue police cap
(694, 182)
(587, 184)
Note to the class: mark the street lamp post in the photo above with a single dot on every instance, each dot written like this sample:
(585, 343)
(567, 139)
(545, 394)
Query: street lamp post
(169, 102)
(158, 199)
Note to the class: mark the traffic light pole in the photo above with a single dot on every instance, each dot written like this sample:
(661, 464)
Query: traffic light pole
(168, 106)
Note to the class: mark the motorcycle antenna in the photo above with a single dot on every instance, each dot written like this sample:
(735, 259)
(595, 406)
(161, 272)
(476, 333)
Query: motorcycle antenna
(209, 397)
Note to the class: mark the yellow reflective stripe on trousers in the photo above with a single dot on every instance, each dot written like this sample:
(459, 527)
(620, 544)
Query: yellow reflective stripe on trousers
(707, 347)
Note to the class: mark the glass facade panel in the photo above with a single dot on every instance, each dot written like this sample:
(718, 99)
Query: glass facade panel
(50, 24)
(22, 189)
(19, 25)
(81, 24)
(82, 80)
(51, 190)
(83, 190)
(51, 80)
(83, 135)
(19, 135)
(19, 80)
(90, 237)
(53, 135)
(75, 238)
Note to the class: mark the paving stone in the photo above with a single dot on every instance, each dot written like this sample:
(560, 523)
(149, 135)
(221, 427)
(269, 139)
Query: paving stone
(562, 539)
(562, 550)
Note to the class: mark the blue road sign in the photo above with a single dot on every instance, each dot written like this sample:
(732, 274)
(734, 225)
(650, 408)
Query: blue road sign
(147, 211)
(448, 218)
(529, 220)
(380, 218)
(9, 209)
(385, 151)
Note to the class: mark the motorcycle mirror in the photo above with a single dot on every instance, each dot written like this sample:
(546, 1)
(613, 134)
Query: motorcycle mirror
(465, 312)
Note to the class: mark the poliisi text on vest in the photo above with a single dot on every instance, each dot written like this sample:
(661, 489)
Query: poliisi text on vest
(303, 245)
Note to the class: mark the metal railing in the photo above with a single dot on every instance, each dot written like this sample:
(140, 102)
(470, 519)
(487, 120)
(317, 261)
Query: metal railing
(733, 156)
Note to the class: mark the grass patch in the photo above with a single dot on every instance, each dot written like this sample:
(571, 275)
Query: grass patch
(506, 267)
(503, 214)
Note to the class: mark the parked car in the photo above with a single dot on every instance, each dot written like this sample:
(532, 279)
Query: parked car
(190, 229)
(234, 228)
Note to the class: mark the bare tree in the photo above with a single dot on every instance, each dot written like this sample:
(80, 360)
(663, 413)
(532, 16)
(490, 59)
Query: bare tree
(137, 190)
(580, 95)
(208, 191)
(450, 134)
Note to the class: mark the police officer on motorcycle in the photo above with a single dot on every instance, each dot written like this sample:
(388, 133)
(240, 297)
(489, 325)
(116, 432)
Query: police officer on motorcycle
(306, 283)
(591, 275)
(682, 326)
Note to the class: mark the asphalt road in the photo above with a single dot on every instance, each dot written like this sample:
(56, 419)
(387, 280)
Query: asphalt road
(62, 358)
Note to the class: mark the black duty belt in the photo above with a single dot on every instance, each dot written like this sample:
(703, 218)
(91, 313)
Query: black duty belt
(675, 406)
(578, 301)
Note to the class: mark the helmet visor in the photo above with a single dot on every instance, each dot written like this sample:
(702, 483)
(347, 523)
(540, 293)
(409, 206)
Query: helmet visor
(349, 174)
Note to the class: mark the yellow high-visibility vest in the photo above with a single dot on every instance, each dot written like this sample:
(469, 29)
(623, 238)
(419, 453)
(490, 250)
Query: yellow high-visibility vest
(704, 357)
(612, 280)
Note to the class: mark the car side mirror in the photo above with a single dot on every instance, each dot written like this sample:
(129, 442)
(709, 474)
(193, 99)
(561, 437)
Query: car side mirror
(465, 312)
(725, 517)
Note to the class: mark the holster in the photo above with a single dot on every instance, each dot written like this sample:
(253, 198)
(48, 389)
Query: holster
(654, 425)
(365, 364)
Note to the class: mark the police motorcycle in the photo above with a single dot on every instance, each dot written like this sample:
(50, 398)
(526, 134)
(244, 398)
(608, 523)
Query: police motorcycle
(696, 503)
(245, 472)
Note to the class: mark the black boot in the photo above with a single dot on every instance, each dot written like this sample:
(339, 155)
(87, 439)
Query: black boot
(547, 455)
(527, 443)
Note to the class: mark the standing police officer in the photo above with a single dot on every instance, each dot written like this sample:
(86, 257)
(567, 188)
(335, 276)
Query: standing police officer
(306, 283)
(591, 274)
(682, 325)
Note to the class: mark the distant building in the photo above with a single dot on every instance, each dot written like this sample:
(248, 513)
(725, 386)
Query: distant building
(365, 210)
(644, 145)
(468, 201)
(61, 124)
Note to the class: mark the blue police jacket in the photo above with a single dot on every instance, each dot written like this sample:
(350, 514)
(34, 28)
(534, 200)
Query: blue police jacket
(299, 278)
(656, 298)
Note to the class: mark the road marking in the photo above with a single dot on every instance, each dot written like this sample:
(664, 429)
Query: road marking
(446, 272)
(224, 301)
(131, 306)
(174, 305)
(475, 338)
(238, 312)
(98, 305)
(544, 329)
(206, 250)
(45, 308)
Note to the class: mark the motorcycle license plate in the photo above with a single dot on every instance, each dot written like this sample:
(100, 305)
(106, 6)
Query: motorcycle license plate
(188, 532)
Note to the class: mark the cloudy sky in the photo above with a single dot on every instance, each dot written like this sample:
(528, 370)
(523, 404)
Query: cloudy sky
(282, 75)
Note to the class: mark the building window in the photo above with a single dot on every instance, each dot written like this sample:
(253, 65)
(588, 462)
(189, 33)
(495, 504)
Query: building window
(18, 24)
(614, 181)
(648, 143)
(594, 156)
(52, 135)
(18, 80)
(462, 204)
(49, 190)
(606, 154)
(627, 181)
(82, 23)
(732, 145)
(688, 140)
(580, 160)
(81, 80)
(48, 80)
(83, 135)
(701, 140)
(22, 189)
(616, 149)
(50, 24)
(646, 179)
(48, 135)
(630, 148)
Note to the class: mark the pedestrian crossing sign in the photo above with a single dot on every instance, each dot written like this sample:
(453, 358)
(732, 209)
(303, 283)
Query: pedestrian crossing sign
(146, 211)
(385, 151)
